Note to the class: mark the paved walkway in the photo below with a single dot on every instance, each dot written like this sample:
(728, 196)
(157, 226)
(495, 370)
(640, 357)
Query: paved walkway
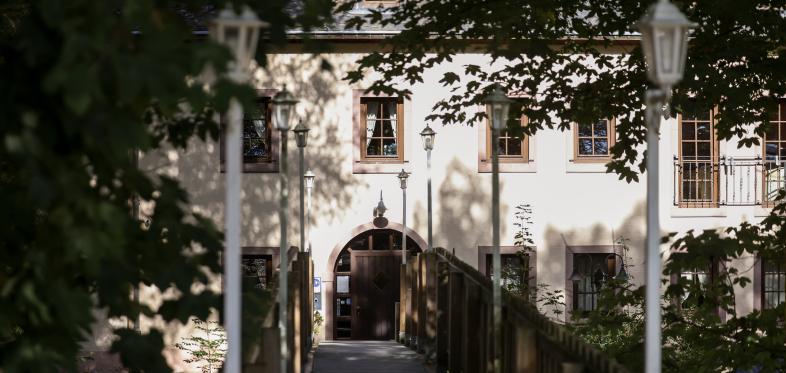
(366, 357)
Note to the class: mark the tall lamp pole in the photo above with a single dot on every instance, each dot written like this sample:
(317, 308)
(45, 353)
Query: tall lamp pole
(402, 177)
(427, 135)
(284, 113)
(664, 41)
(309, 178)
(499, 104)
(240, 33)
(301, 137)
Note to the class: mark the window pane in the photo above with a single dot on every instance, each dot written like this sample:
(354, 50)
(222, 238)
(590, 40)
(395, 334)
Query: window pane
(783, 130)
(585, 130)
(389, 148)
(703, 131)
(689, 150)
(585, 146)
(254, 148)
(601, 128)
(688, 131)
(374, 147)
(688, 190)
(772, 131)
(342, 284)
(601, 147)
(771, 150)
(501, 146)
(514, 146)
(703, 150)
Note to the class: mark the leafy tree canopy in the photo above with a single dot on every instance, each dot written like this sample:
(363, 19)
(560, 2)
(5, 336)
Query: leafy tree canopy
(579, 61)
(86, 84)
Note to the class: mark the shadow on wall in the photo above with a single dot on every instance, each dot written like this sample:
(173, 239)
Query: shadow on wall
(198, 168)
(465, 211)
(551, 258)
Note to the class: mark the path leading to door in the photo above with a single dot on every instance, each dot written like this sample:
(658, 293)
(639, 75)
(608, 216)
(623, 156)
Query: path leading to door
(366, 357)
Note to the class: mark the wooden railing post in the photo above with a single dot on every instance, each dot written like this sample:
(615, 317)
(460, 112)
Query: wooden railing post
(525, 349)
(412, 302)
(429, 346)
(456, 308)
(472, 331)
(442, 316)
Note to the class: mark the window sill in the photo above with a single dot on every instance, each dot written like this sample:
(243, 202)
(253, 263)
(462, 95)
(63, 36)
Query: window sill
(589, 166)
(378, 167)
(484, 166)
(691, 212)
(267, 167)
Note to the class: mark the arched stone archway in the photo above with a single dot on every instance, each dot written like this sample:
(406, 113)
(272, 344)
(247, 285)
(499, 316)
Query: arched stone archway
(328, 280)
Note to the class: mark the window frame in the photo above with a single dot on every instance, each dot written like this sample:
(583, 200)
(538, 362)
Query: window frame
(484, 265)
(377, 165)
(715, 271)
(364, 157)
(780, 124)
(714, 162)
(266, 165)
(570, 252)
(611, 138)
(507, 164)
(271, 252)
(759, 273)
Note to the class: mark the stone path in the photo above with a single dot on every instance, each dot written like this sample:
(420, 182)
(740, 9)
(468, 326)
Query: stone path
(366, 357)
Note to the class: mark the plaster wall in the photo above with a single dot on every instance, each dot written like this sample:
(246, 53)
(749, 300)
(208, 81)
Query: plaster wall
(573, 204)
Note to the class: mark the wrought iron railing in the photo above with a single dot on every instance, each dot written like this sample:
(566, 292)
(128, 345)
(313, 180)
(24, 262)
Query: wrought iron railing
(702, 182)
(446, 310)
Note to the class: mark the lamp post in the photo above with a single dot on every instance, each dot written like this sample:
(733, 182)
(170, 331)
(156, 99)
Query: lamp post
(309, 178)
(499, 104)
(664, 41)
(427, 135)
(301, 135)
(402, 177)
(240, 33)
(284, 113)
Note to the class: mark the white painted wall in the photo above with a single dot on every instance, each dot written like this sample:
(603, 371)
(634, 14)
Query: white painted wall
(574, 205)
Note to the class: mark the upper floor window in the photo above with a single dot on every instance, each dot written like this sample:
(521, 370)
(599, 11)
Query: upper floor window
(257, 136)
(259, 141)
(775, 153)
(593, 141)
(511, 147)
(382, 131)
(697, 166)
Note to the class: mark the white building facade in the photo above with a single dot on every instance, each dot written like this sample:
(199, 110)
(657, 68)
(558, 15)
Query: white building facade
(580, 214)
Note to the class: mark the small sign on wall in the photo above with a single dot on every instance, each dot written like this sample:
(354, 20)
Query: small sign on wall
(317, 293)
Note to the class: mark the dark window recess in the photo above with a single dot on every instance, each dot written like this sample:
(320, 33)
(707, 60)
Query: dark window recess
(257, 133)
(515, 271)
(590, 272)
(257, 270)
(774, 280)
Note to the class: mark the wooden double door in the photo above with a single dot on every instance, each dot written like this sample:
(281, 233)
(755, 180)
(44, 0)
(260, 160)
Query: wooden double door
(375, 279)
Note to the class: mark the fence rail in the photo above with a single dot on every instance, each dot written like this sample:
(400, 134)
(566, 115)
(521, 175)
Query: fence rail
(702, 182)
(445, 313)
(264, 356)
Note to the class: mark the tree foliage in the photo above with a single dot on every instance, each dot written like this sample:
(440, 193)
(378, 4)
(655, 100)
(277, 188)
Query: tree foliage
(576, 62)
(85, 85)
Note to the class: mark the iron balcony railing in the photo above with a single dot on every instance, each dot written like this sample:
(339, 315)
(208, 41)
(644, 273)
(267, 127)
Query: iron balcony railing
(705, 182)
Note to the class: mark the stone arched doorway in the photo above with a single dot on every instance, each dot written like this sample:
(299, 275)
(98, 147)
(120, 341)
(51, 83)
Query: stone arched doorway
(365, 274)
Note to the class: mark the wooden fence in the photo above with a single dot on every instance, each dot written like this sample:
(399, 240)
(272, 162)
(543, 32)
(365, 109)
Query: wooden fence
(265, 356)
(445, 313)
